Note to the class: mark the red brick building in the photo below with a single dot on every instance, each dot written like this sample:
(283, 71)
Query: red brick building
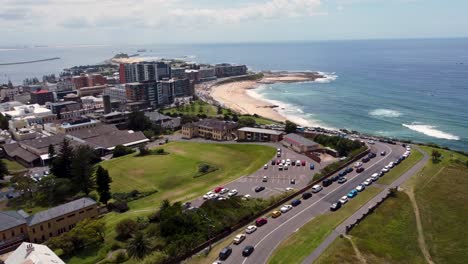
(41, 97)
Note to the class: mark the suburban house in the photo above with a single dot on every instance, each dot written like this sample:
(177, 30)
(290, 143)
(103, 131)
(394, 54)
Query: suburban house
(299, 143)
(259, 134)
(210, 129)
(17, 226)
(164, 121)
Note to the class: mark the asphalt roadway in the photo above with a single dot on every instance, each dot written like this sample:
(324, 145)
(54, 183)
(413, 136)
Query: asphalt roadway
(269, 236)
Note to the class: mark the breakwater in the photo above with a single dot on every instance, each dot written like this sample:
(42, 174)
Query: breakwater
(27, 62)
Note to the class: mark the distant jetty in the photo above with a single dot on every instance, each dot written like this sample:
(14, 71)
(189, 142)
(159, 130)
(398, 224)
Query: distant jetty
(27, 62)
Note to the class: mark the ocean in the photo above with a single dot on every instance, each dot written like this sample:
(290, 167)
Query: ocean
(409, 89)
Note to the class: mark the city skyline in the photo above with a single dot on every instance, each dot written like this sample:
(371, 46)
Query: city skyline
(47, 22)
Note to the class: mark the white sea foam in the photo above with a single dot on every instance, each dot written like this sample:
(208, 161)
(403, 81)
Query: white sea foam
(431, 131)
(381, 112)
(327, 77)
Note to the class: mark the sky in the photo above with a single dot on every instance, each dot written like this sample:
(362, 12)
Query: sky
(95, 22)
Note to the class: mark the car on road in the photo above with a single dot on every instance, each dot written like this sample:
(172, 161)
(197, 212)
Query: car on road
(285, 167)
(259, 188)
(207, 195)
(385, 169)
(261, 221)
(283, 162)
(225, 253)
(296, 202)
(367, 182)
(365, 159)
(357, 164)
(343, 199)
(247, 251)
(349, 170)
(327, 182)
(383, 153)
(316, 188)
(218, 189)
(275, 214)
(213, 196)
(335, 178)
(371, 155)
(233, 192)
(352, 193)
(360, 187)
(293, 181)
(250, 229)
(224, 190)
(273, 162)
(280, 167)
(342, 173)
(239, 238)
(375, 177)
(303, 162)
(286, 208)
(372, 142)
(306, 195)
(360, 169)
(278, 162)
(265, 166)
(278, 154)
(335, 206)
(312, 166)
(342, 180)
(264, 179)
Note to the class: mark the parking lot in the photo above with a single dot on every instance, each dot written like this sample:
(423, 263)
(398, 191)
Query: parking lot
(277, 181)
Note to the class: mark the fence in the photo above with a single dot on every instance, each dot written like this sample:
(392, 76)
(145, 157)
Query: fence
(248, 220)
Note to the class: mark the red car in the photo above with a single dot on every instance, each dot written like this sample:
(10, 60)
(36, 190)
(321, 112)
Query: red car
(303, 163)
(260, 221)
(278, 162)
(218, 189)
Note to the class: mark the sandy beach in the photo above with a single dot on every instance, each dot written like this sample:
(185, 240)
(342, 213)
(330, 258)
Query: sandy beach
(234, 95)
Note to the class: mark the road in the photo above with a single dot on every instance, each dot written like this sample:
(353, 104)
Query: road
(269, 236)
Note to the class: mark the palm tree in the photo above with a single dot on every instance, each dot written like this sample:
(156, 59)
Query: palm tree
(139, 246)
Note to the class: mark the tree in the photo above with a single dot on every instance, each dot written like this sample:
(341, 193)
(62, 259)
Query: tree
(3, 169)
(52, 153)
(219, 111)
(138, 121)
(290, 127)
(125, 228)
(52, 190)
(61, 164)
(139, 246)
(246, 122)
(82, 169)
(435, 155)
(121, 150)
(143, 151)
(3, 122)
(103, 181)
(235, 118)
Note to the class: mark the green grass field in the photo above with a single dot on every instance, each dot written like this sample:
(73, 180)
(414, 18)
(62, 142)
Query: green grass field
(302, 243)
(172, 175)
(13, 166)
(387, 236)
(405, 165)
(390, 235)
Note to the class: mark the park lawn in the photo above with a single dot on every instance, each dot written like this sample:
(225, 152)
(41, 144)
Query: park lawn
(386, 236)
(172, 176)
(441, 191)
(199, 107)
(302, 243)
(13, 166)
(401, 168)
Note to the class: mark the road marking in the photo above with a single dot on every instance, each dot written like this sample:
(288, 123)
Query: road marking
(308, 207)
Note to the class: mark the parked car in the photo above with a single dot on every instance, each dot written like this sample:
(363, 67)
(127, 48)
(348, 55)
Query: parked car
(367, 182)
(343, 199)
(349, 170)
(213, 196)
(371, 155)
(286, 208)
(280, 167)
(352, 193)
(233, 192)
(342, 180)
(360, 169)
(239, 238)
(303, 162)
(285, 167)
(261, 221)
(293, 181)
(264, 179)
(207, 195)
(335, 206)
(306, 195)
(296, 202)
(224, 190)
(365, 160)
(375, 177)
(265, 166)
(385, 170)
(383, 153)
(250, 229)
(360, 187)
(316, 188)
(259, 188)
(275, 214)
(273, 162)
(312, 166)
(218, 189)
(357, 164)
(246, 197)
(247, 251)
(342, 173)
(278, 154)
(225, 253)
(327, 182)
(289, 189)
(335, 178)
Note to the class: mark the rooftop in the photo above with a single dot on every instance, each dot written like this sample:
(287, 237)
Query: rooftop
(41, 92)
(261, 130)
(28, 253)
(10, 219)
(300, 140)
(156, 116)
(216, 124)
(60, 210)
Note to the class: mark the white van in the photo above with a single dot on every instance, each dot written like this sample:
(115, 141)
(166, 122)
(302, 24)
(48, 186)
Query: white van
(317, 188)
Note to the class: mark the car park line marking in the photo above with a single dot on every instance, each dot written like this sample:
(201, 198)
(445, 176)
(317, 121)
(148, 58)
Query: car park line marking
(308, 207)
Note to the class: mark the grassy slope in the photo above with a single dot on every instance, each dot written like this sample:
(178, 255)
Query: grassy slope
(13, 165)
(441, 191)
(172, 175)
(405, 165)
(387, 236)
(299, 245)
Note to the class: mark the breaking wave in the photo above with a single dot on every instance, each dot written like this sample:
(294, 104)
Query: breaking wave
(381, 112)
(431, 131)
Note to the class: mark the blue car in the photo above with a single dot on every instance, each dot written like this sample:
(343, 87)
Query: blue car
(296, 202)
(343, 173)
(352, 193)
(312, 166)
(349, 169)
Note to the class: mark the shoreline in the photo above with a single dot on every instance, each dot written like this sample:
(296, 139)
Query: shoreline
(240, 95)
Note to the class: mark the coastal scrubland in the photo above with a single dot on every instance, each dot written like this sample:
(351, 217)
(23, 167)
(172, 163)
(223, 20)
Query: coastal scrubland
(426, 222)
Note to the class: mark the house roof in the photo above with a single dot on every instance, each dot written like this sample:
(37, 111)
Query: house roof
(261, 130)
(28, 253)
(15, 150)
(41, 92)
(156, 116)
(10, 219)
(299, 140)
(216, 124)
(60, 210)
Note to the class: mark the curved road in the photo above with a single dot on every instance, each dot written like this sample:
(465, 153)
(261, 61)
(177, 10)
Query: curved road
(269, 236)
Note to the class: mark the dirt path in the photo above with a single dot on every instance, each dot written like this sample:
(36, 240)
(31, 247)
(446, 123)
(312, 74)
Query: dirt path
(421, 241)
(361, 258)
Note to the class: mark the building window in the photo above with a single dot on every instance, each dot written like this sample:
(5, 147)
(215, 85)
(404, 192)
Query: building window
(48, 225)
(34, 230)
(72, 215)
(50, 234)
(42, 228)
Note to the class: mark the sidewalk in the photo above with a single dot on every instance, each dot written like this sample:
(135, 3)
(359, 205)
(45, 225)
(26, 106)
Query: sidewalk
(342, 227)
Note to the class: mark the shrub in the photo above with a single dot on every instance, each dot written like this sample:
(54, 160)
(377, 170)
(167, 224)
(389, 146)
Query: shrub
(125, 229)
(118, 206)
(121, 150)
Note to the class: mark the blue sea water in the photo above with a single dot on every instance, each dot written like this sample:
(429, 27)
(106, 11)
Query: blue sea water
(411, 89)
